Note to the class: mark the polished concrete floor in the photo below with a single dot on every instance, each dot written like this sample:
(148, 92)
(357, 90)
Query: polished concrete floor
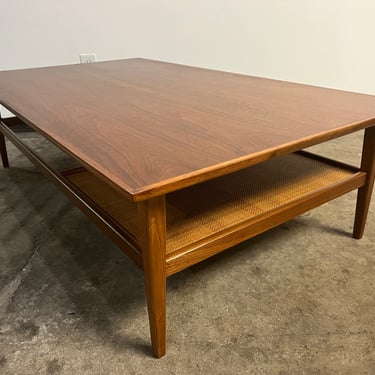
(299, 299)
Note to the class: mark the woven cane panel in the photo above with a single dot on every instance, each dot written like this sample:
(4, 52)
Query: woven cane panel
(211, 207)
(219, 204)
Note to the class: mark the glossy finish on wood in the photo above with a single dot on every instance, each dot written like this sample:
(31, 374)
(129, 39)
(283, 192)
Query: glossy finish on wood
(152, 222)
(364, 193)
(169, 126)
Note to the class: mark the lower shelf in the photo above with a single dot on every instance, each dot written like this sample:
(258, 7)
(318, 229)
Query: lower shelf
(198, 215)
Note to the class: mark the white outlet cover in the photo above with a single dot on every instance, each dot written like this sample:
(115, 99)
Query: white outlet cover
(86, 58)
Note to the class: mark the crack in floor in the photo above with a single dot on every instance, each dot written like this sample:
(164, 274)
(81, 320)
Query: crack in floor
(8, 291)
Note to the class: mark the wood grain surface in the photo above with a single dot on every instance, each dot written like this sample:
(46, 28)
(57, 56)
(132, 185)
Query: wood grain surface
(149, 127)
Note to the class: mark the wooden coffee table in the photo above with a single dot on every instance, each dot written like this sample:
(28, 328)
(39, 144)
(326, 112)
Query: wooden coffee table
(179, 163)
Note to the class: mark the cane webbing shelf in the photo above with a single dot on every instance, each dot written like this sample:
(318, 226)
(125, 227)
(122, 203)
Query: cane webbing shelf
(204, 212)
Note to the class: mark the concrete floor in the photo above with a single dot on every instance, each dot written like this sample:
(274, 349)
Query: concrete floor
(299, 299)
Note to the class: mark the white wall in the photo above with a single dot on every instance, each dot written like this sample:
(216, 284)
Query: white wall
(323, 42)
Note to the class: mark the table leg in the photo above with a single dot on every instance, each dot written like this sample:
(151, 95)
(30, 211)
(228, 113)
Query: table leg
(3, 151)
(152, 217)
(365, 192)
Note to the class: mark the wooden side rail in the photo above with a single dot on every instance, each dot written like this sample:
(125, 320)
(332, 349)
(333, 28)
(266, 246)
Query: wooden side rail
(71, 191)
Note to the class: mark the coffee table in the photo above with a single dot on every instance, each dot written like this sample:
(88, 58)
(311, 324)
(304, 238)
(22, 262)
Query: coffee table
(178, 163)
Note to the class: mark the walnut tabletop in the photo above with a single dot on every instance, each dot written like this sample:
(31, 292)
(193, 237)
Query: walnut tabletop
(150, 127)
(177, 164)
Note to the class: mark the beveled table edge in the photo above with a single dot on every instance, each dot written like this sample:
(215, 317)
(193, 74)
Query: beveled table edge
(205, 174)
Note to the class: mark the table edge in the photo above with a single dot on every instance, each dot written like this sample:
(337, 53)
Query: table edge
(201, 175)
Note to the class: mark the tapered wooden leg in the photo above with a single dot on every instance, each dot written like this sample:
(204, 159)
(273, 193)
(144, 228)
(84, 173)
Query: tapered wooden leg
(3, 151)
(365, 192)
(152, 219)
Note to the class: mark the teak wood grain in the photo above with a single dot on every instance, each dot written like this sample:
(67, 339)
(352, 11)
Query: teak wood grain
(156, 127)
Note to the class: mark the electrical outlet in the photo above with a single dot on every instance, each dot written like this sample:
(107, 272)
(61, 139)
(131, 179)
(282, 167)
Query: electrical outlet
(86, 58)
